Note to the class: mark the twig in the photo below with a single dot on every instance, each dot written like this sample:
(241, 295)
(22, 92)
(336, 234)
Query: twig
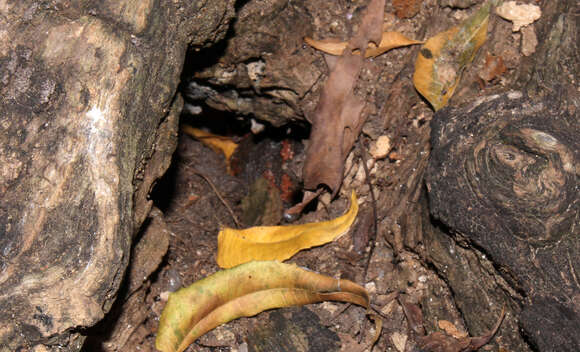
(219, 196)
(374, 206)
(292, 213)
(336, 315)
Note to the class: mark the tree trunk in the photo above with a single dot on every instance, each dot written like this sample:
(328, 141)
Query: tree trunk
(89, 118)
(503, 181)
(88, 122)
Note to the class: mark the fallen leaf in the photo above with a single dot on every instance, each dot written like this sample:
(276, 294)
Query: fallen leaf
(292, 214)
(451, 330)
(338, 118)
(262, 205)
(407, 8)
(330, 46)
(279, 242)
(389, 40)
(244, 291)
(441, 342)
(413, 314)
(399, 340)
(218, 143)
(443, 58)
(519, 14)
(493, 68)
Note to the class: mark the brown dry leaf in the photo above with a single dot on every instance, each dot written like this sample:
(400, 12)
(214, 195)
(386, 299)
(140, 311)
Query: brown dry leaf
(407, 8)
(493, 68)
(413, 314)
(378, 330)
(279, 242)
(443, 57)
(219, 144)
(389, 40)
(399, 340)
(244, 291)
(441, 342)
(451, 330)
(337, 119)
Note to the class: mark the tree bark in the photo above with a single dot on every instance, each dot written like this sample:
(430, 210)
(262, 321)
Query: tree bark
(88, 121)
(503, 179)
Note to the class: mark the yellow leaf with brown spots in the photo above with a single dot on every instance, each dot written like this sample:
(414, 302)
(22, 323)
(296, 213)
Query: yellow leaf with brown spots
(444, 57)
(244, 291)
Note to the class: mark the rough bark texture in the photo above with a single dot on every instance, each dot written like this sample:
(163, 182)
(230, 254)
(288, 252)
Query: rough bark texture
(503, 179)
(88, 95)
(122, 323)
(89, 89)
(262, 70)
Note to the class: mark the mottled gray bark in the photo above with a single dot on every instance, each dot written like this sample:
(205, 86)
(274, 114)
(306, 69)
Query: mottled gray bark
(88, 121)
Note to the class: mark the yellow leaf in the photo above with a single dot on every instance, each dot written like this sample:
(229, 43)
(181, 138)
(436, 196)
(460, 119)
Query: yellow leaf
(279, 242)
(329, 46)
(389, 40)
(244, 291)
(443, 58)
(218, 143)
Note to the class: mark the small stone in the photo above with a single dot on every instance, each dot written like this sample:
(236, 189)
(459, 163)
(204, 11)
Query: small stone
(164, 296)
(371, 287)
(519, 15)
(380, 149)
(256, 70)
(256, 127)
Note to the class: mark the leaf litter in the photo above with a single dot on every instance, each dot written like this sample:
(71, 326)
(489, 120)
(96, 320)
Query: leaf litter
(338, 117)
(389, 40)
(453, 340)
(348, 107)
(444, 57)
(244, 291)
(279, 242)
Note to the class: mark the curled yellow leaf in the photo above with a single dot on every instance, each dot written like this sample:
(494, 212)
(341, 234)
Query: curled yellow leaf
(279, 242)
(444, 56)
(329, 46)
(219, 144)
(389, 40)
(244, 291)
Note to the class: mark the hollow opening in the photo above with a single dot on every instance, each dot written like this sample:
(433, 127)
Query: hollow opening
(207, 189)
(241, 148)
(204, 190)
